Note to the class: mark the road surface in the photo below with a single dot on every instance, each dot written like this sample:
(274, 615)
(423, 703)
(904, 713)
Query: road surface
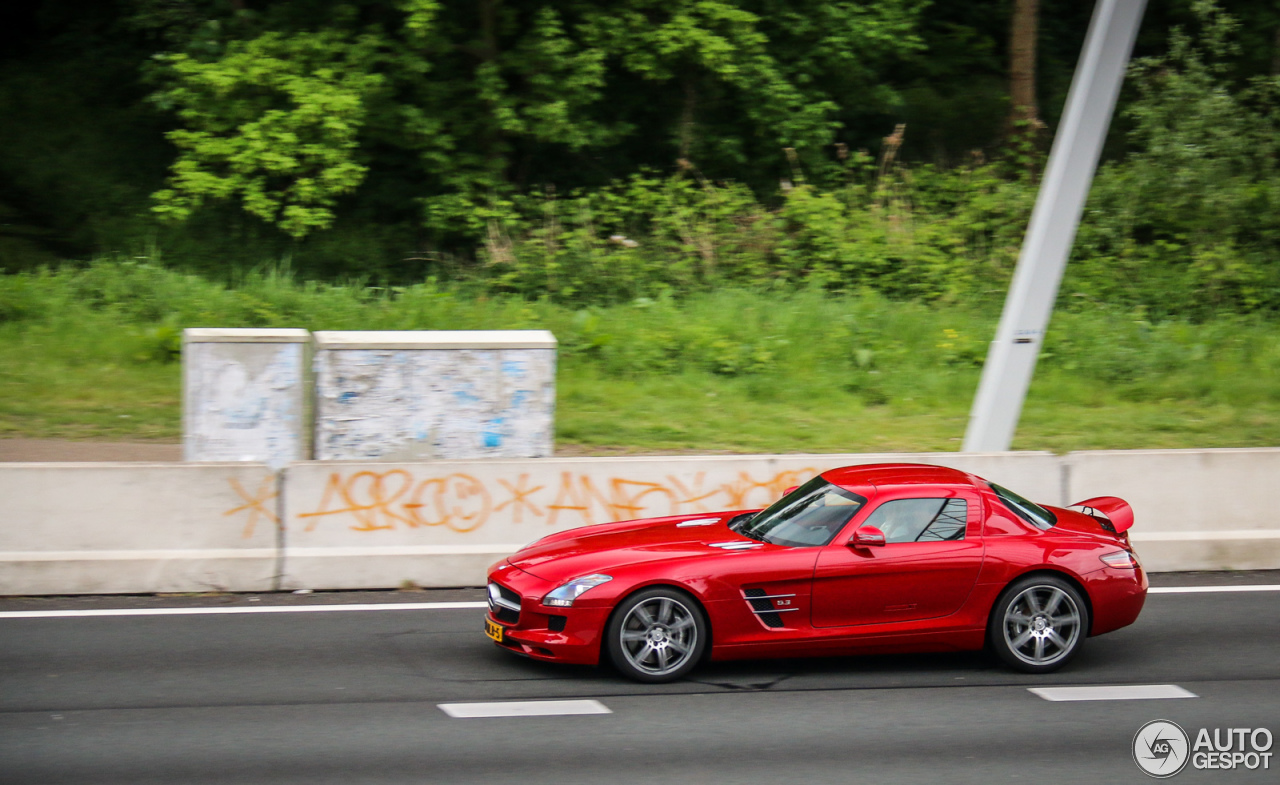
(355, 696)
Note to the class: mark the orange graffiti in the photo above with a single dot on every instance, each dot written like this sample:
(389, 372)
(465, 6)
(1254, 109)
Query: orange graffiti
(461, 518)
(379, 501)
(254, 504)
(519, 498)
(581, 499)
(628, 496)
(687, 495)
(371, 498)
(739, 491)
(366, 497)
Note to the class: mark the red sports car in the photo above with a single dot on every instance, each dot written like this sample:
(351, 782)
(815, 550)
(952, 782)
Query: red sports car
(879, 558)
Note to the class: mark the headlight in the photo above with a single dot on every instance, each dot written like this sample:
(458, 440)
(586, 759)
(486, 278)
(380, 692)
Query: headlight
(564, 596)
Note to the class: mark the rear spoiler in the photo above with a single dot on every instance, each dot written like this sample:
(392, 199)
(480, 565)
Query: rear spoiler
(1115, 510)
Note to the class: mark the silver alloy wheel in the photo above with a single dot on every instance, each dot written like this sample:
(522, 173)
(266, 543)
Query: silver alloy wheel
(658, 636)
(1042, 625)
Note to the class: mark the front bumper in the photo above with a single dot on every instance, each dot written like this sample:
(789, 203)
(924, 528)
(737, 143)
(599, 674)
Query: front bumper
(569, 635)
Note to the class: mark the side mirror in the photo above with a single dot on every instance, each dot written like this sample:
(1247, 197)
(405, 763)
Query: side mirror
(867, 537)
(788, 491)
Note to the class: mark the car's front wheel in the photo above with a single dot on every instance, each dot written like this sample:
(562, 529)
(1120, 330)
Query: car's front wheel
(656, 635)
(1038, 624)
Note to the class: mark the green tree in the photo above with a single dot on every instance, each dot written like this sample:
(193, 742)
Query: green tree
(274, 123)
(289, 108)
(1188, 222)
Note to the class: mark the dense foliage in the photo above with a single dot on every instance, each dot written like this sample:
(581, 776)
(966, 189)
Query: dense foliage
(592, 153)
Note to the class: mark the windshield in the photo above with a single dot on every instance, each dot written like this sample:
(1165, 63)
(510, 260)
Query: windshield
(810, 515)
(1030, 512)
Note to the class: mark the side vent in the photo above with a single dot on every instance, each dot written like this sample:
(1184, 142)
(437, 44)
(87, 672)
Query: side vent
(762, 605)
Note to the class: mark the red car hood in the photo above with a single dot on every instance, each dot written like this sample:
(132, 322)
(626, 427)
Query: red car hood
(590, 549)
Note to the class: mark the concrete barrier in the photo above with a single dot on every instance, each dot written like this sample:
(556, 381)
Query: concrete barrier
(120, 528)
(439, 524)
(103, 528)
(1193, 509)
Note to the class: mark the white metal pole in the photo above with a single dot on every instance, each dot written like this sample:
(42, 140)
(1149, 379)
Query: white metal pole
(1011, 359)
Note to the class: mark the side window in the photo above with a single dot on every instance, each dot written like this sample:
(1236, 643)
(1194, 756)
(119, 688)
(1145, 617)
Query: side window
(920, 520)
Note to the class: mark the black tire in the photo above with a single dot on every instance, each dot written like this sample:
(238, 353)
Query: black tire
(1038, 624)
(656, 635)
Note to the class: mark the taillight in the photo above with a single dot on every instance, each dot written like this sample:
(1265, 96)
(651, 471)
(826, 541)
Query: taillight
(1123, 559)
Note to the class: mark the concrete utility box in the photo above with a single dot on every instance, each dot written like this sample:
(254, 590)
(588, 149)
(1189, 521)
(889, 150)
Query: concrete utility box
(245, 395)
(422, 395)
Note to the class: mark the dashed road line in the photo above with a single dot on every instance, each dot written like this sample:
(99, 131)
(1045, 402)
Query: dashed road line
(524, 709)
(1113, 692)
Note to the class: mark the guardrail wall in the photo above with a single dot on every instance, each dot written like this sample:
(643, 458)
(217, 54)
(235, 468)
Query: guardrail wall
(1194, 509)
(107, 528)
(142, 528)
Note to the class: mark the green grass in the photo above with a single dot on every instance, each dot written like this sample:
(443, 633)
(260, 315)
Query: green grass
(706, 414)
(83, 379)
(91, 354)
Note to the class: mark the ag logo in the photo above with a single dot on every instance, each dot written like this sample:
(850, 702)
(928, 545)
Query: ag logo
(1160, 748)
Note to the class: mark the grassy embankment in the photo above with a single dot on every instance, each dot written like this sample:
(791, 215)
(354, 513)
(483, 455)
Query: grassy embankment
(92, 354)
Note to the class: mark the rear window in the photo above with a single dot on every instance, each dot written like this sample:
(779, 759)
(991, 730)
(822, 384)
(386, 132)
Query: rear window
(1028, 511)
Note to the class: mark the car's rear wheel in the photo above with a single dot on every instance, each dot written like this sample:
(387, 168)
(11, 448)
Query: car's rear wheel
(1038, 624)
(656, 635)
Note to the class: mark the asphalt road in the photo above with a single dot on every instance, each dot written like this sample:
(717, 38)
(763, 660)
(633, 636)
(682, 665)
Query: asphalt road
(353, 697)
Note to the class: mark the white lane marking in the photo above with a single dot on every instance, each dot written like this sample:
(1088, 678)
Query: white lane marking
(1210, 589)
(438, 606)
(1125, 692)
(389, 606)
(524, 709)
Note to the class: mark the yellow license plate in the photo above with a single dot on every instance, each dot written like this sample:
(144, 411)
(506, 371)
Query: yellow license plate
(493, 630)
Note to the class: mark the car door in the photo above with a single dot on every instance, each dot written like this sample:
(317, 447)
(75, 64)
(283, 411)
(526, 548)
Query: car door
(926, 568)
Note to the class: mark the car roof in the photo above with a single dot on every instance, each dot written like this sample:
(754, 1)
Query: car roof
(879, 476)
